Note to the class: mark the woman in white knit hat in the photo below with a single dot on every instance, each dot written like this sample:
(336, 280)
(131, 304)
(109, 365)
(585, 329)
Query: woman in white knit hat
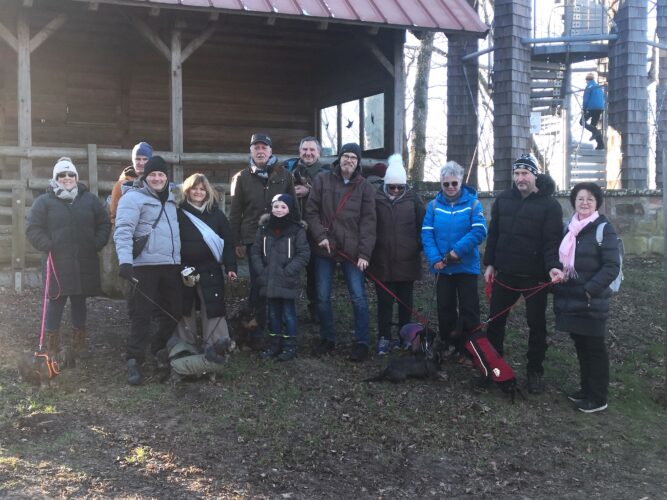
(69, 223)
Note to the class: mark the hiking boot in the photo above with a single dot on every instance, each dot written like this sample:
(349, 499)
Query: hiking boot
(53, 343)
(359, 352)
(275, 347)
(324, 347)
(588, 406)
(383, 346)
(289, 350)
(134, 375)
(79, 342)
(535, 384)
(577, 396)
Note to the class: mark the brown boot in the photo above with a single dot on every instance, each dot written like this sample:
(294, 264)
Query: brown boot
(53, 343)
(79, 341)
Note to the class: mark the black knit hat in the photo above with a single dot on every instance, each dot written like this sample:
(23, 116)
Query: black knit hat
(527, 162)
(287, 200)
(350, 147)
(156, 164)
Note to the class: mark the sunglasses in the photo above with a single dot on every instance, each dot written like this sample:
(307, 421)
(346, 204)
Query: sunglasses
(453, 184)
(65, 174)
(395, 187)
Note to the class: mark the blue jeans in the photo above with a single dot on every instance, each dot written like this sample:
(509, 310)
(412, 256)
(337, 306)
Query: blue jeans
(282, 311)
(324, 272)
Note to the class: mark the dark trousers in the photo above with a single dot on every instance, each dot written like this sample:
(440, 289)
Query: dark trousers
(593, 366)
(385, 308)
(536, 306)
(55, 308)
(457, 299)
(311, 286)
(594, 115)
(256, 302)
(156, 284)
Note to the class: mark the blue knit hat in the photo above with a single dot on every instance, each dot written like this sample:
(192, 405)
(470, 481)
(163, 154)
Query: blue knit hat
(142, 149)
(287, 200)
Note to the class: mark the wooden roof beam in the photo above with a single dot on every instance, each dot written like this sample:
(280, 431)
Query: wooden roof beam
(9, 37)
(379, 55)
(47, 31)
(197, 42)
(151, 37)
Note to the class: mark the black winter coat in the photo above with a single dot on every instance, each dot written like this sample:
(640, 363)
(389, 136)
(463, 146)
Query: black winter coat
(524, 233)
(397, 252)
(279, 259)
(596, 267)
(73, 233)
(195, 253)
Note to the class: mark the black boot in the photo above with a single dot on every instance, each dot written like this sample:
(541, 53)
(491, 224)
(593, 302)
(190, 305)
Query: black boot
(289, 350)
(275, 347)
(134, 375)
(600, 140)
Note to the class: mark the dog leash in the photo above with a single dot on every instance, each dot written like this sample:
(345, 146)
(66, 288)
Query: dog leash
(51, 364)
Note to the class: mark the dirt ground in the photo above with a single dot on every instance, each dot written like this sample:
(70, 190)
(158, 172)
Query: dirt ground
(312, 428)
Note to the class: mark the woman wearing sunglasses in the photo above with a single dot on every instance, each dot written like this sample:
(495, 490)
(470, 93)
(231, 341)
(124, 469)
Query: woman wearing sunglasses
(71, 224)
(453, 229)
(396, 259)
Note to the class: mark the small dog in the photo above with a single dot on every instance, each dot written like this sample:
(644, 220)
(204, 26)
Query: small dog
(243, 330)
(35, 370)
(418, 365)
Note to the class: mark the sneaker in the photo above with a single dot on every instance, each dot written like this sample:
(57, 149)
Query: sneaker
(134, 375)
(275, 348)
(324, 347)
(359, 352)
(535, 384)
(588, 406)
(577, 396)
(383, 346)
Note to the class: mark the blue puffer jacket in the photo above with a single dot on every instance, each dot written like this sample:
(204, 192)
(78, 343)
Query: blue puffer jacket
(458, 226)
(593, 96)
(137, 211)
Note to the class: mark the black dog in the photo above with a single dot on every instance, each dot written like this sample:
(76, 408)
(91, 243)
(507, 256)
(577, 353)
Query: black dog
(414, 365)
(243, 329)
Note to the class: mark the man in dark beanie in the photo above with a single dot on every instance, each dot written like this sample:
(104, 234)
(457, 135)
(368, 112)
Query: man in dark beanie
(252, 190)
(341, 221)
(522, 253)
(149, 252)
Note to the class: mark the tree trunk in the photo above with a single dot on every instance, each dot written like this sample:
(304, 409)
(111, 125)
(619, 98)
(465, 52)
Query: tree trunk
(420, 108)
(662, 147)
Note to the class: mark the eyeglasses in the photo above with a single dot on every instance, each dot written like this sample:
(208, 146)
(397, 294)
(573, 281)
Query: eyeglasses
(453, 184)
(395, 187)
(65, 174)
(350, 157)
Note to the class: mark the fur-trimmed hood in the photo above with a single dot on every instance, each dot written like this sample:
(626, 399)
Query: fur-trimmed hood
(265, 218)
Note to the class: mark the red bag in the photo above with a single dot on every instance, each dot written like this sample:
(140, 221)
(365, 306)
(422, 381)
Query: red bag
(490, 363)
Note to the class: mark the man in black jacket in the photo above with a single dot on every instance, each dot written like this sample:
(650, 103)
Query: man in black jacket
(521, 253)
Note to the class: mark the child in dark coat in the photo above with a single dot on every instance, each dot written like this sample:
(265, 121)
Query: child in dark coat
(279, 254)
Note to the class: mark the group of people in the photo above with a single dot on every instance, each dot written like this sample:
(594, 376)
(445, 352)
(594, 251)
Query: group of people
(301, 214)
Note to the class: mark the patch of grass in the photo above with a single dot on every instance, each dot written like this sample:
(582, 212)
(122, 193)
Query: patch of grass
(34, 406)
(137, 456)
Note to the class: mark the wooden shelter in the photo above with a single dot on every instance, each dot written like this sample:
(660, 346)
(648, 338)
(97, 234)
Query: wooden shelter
(195, 78)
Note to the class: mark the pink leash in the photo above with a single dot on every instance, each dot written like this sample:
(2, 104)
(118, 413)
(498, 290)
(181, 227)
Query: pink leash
(49, 267)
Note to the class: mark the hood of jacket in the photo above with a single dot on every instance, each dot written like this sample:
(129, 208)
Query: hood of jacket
(265, 218)
(468, 193)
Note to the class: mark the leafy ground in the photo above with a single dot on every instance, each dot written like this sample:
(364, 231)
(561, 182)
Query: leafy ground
(313, 429)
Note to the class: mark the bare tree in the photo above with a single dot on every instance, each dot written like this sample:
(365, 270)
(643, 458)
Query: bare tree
(420, 106)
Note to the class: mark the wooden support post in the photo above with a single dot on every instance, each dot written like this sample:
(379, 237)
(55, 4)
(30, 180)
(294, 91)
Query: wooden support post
(18, 240)
(93, 184)
(24, 91)
(399, 95)
(176, 80)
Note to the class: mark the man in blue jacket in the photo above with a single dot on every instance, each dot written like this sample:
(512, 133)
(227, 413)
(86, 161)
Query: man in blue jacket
(593, 106)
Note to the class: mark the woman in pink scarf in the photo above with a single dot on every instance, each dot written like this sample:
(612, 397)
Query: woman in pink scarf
(581, 299)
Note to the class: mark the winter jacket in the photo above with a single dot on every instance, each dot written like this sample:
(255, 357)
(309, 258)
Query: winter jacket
(593, 96)
(596, 266)
(459, 226)
(138, 210)
(524, 233)
(73, 233)
(352, 230)
(127, 176)
(279, 258)
(397, 253)
(196, 253)
(251, 198)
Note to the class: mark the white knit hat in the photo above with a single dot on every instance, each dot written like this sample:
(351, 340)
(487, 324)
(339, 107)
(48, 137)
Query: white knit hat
(395, 173)
(64, 164)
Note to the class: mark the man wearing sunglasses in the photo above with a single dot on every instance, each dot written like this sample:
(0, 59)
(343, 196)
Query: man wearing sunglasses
(341, 221)
(521, 250)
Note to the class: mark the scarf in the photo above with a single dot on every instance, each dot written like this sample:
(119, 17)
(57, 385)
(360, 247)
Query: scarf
(62, 193)
(198, 209)
(568, 246)
(263, 172)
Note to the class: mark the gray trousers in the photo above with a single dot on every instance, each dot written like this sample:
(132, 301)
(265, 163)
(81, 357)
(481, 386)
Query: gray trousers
(213, 329)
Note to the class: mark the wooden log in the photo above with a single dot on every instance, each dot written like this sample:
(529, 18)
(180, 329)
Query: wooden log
(18, 237)
(93, 184)
(399, 96)
(24, 90)
(176, 90)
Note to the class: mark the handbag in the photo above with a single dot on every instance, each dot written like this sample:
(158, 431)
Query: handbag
(139, 242)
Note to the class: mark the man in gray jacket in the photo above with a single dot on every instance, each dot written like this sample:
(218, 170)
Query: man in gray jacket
(149, 208)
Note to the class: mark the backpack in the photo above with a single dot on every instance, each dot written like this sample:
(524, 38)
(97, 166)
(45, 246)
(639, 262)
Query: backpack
(599, 235)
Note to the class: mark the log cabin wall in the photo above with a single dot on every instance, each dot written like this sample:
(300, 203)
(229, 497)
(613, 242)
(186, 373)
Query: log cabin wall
(96, 80)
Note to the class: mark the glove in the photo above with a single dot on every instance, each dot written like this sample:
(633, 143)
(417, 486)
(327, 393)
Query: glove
(126, 272)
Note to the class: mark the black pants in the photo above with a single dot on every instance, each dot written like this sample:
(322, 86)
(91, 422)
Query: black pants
(536, 306)
(592, 127)
(457, 299)
(256, 302)
(593, 366)
(162, 285)
(404, 291)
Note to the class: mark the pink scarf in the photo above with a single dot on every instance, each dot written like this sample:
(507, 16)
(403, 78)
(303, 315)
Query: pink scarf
(569, 244)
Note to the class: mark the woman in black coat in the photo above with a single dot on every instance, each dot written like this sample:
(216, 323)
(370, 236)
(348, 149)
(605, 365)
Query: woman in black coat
(71, 224)
(581, 300)
(207, 295)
